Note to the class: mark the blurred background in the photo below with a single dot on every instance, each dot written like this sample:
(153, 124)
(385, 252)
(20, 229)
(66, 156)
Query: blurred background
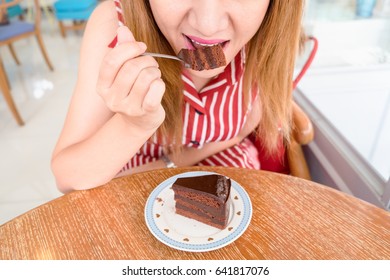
(346, 93)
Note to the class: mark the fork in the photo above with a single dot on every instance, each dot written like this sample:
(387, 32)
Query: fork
(186, 65)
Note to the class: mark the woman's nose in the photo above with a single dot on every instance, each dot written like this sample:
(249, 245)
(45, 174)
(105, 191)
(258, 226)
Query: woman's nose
(208, 17)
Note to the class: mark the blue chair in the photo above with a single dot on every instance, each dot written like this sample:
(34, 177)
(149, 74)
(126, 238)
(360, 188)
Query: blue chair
(77, 11)
(10, 32)
(14, 11)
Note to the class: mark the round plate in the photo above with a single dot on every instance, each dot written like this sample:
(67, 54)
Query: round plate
(187, 234)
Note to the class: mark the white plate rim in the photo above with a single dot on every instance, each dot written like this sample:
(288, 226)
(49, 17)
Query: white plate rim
(162, 237)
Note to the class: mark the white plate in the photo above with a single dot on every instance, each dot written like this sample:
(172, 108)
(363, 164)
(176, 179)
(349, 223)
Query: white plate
(187, 234)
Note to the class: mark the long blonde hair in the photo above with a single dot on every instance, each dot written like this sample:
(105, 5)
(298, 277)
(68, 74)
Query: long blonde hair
(269, 66)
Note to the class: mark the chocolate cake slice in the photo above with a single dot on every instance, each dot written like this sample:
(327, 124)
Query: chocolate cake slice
(203, 198)
(204, 58)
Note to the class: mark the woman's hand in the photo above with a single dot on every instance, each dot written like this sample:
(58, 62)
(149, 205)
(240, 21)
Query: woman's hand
(131, 85)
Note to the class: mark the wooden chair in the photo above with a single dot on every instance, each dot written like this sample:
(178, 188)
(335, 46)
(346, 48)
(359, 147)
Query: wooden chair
(302, 134)
(15, 11)
(76, 11)
(13, 31)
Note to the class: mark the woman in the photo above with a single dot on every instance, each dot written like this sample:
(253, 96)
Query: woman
(132, 113)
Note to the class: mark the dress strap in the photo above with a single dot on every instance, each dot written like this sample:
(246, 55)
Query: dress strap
(119, 11)
(118, 7)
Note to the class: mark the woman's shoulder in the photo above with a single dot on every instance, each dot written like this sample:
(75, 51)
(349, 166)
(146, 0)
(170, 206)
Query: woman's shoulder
(102, 24)
(105, 12)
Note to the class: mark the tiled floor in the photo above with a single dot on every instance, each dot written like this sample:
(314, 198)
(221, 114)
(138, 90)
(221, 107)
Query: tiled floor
(42, 98)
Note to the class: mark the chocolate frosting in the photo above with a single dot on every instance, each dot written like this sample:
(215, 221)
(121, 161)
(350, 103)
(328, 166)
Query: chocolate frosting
(214, 185)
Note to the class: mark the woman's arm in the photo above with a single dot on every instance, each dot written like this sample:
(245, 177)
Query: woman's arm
(191, 156)
(188, 156)
(115, 108)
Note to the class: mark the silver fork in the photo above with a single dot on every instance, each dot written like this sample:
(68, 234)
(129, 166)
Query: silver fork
(186, 65)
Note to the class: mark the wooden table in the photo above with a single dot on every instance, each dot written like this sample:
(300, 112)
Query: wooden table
(292, 219)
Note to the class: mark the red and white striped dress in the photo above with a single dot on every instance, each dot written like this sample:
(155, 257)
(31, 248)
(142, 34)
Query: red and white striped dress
(216, 113)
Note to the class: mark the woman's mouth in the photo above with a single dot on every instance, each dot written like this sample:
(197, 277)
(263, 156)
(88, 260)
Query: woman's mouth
(193, 42)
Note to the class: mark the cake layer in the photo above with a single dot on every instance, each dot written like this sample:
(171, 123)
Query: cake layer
(199, 205)
(220, 218)
(223, 213)
(205, 58)
(204, 200)
(205, 220)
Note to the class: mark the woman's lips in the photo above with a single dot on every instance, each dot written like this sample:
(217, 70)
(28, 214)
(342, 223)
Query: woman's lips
(193, 42)
(205, 41)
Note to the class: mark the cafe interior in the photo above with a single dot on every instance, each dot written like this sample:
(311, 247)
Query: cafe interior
(344, 92)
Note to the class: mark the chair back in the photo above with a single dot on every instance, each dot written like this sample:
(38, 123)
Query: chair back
(3, 13)
(11, 32)
(74, 9)
(17, 27)
(12, 8)
(309, 60)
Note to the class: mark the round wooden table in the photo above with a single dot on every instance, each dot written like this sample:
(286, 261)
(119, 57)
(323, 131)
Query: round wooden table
(292, 219)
